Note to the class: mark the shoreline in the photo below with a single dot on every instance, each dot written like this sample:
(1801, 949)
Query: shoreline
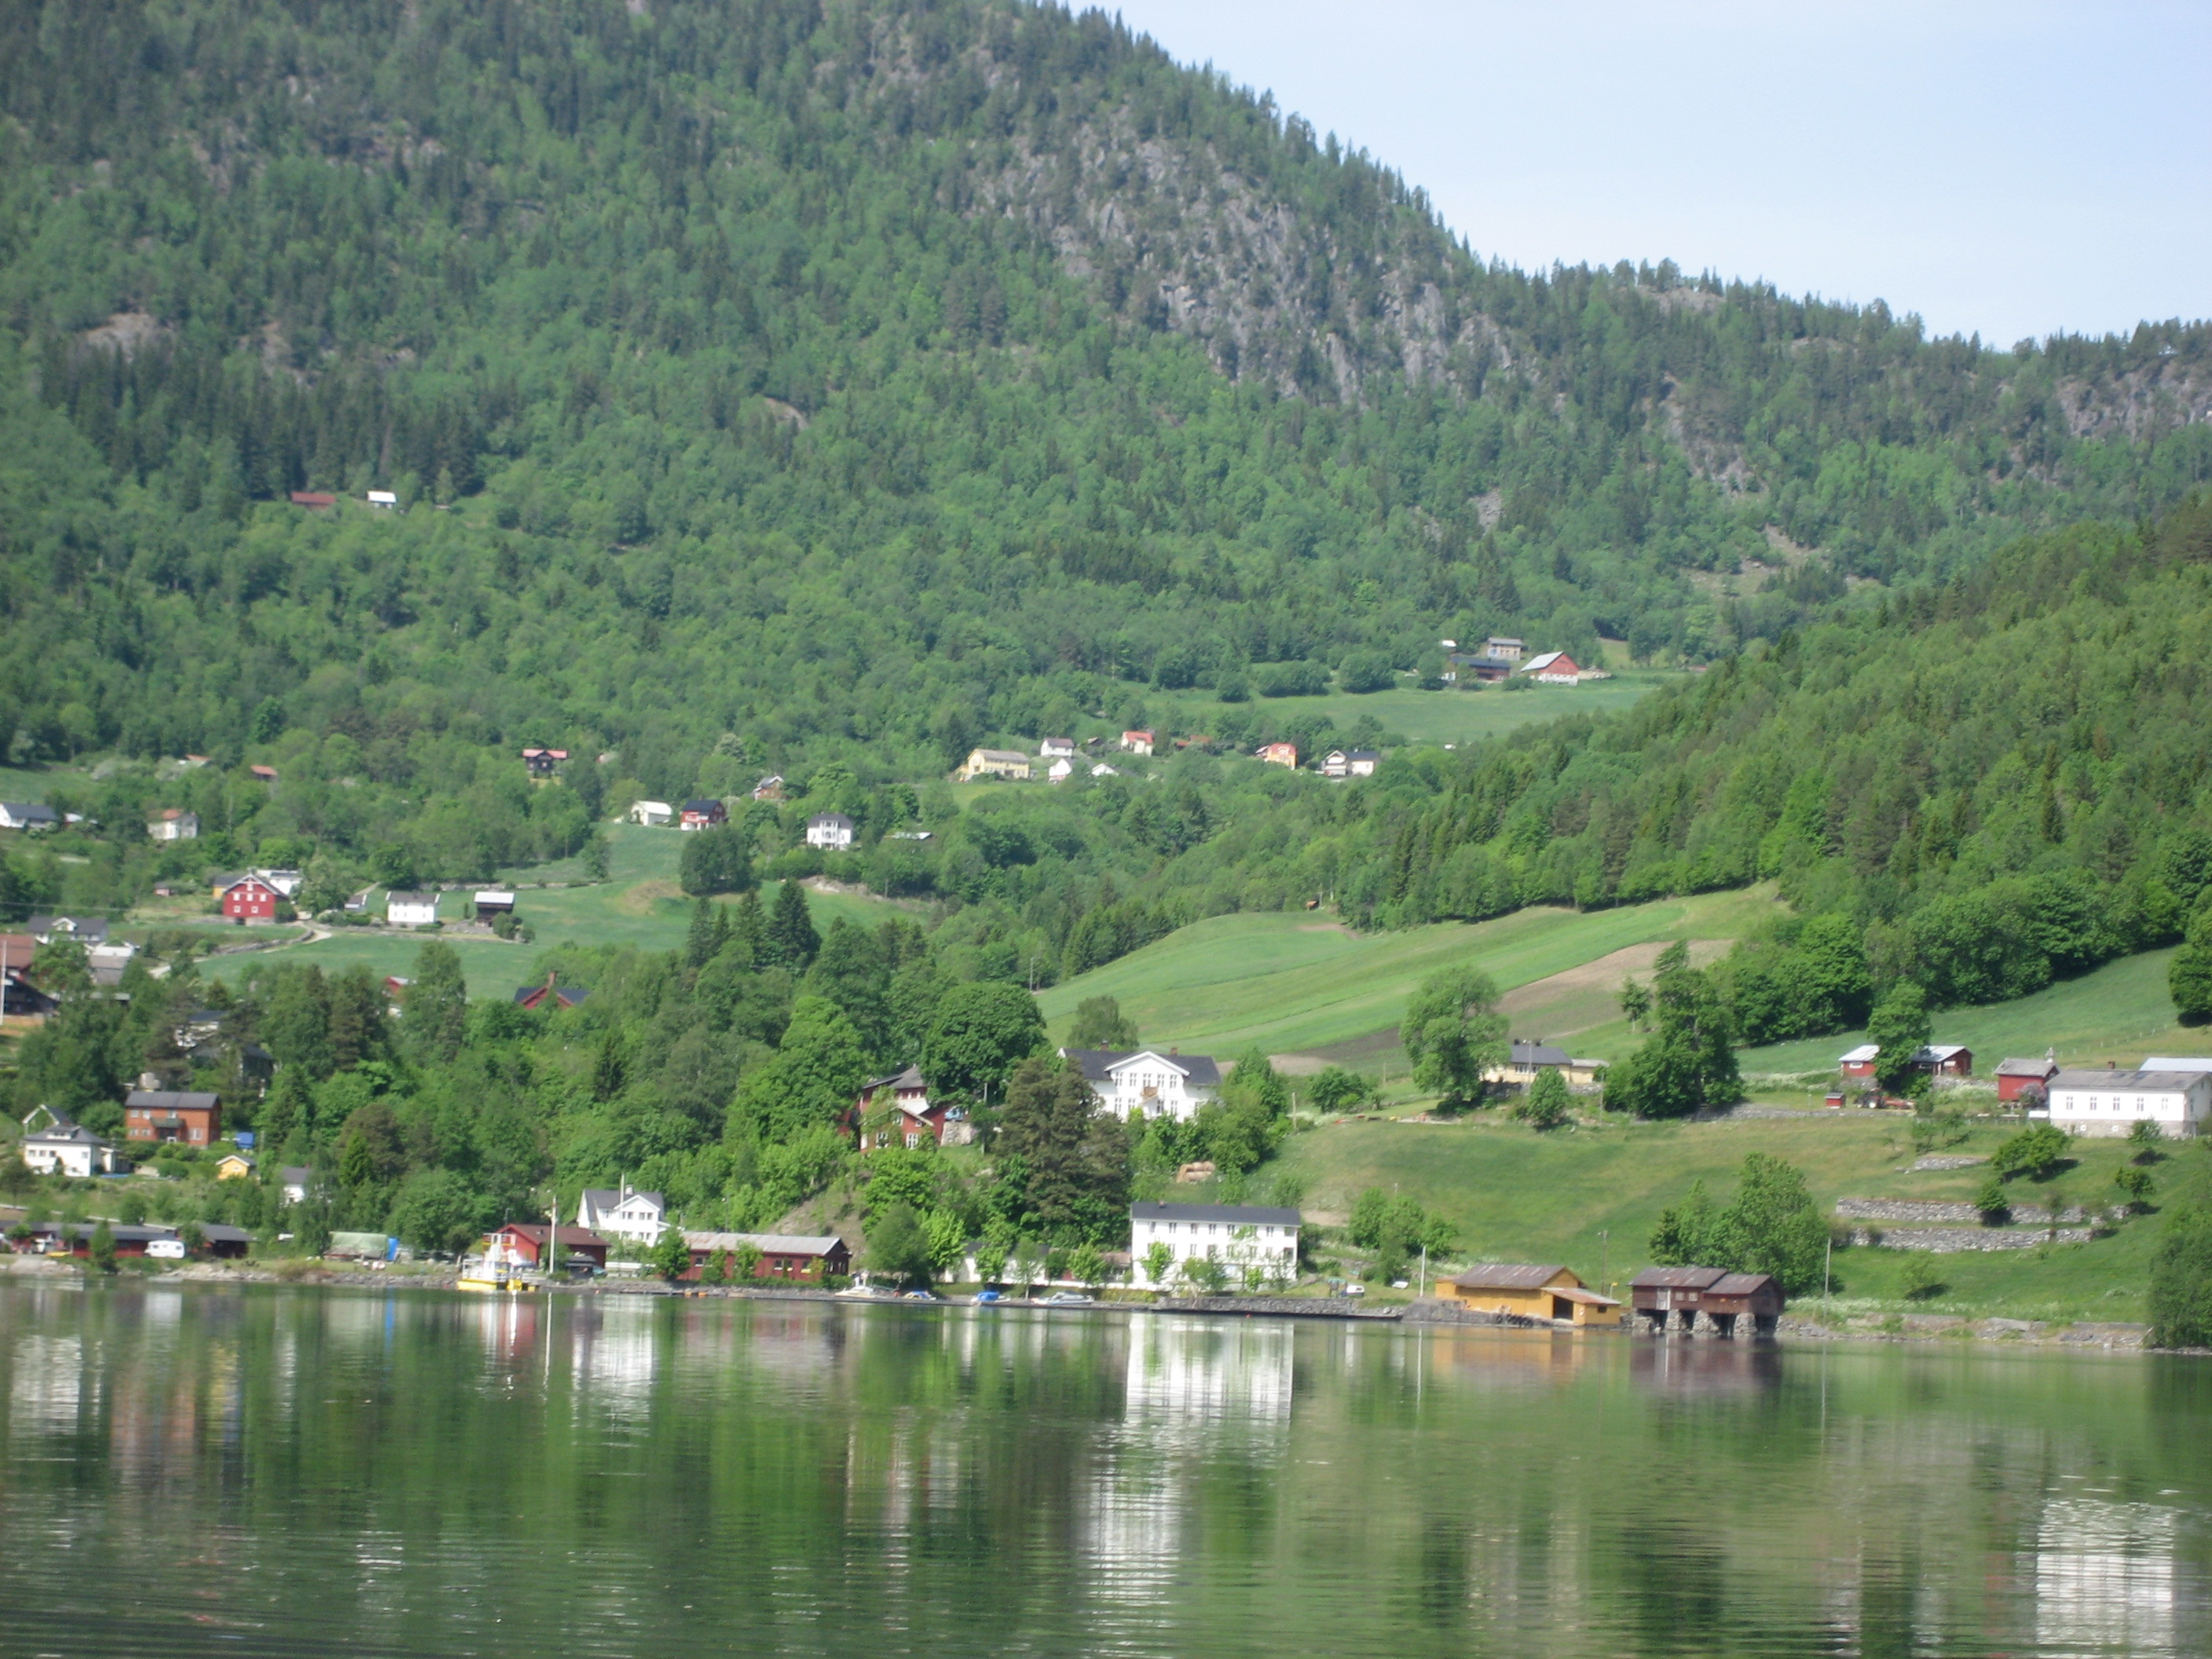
(2073, 1335)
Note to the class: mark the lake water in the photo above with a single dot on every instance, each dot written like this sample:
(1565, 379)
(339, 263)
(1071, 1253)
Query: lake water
(315, 1472)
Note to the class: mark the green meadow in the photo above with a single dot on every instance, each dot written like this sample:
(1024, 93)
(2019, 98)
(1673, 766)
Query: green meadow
(640, 903)
(1433, 717)
(1591, 1195)
(2120, 1011)
(1298, 983)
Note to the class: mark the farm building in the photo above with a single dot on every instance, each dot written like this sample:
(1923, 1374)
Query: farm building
(2112, 1102)
(1943, 1059)
(1550, 1293)
(652, 813)
(1723, 1296)
(782, 1255)
(493, 902)
(1552, 668)
(1009, 763)
(702, 814)
(410, 909)
(249, 899)
(2017, 1077)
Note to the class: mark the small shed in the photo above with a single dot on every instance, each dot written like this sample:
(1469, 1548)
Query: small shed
(2016, 1077)
(1723, 1296)
(652, 813)
(1549, 1292)
(493, 902)
(1859, 1061)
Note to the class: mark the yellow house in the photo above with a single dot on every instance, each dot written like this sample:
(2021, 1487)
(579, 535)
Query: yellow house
(1549, 1293)
(233, 1166)
(995, 764)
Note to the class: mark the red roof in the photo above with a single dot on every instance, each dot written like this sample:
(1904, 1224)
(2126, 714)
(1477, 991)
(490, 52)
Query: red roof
(313, 498)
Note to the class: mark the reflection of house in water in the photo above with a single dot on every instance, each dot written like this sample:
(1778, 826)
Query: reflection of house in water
(1500, 1357)
(1210, 1378)
(46, 1383)
(614, 1347)
(508, 1326)
(2104, 1579)
(1716, 1368)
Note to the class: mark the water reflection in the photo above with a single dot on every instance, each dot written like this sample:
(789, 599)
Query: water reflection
(294, 1471)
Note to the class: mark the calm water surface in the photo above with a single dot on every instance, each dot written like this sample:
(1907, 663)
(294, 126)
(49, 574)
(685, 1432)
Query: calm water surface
(291, 1471)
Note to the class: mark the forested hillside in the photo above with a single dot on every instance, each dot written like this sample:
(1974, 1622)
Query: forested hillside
(863, 379)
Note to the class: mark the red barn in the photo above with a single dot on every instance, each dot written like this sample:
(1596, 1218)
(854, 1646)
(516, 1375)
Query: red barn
(2016, 1077)
(702, 814)
(250, 899)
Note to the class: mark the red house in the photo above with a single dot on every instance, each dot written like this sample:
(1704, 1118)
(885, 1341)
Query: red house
(2016, 1077)
(525, 1241)
(703, 814)
(250, 899)
(190, 1118)
(542, 762)
(784, 1257)
(918, 1119)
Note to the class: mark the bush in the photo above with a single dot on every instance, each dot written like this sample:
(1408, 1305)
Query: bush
(2136, 1186)
(1548, 1104)
(1991, 1201)
(1921, 1280)
(2181, 1282)
(716, 860)
(1366, 670)
(2037, 1153)
(1290, 679)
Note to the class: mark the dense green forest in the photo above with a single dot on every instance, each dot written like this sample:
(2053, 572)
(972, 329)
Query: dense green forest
(865, 380)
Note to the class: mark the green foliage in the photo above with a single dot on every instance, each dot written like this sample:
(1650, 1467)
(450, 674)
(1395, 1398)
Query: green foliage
(670, 1255)
(811, 1080)
(437, 1009)
(1396, 1227)
(1686, 1236)
(716, 860)
(1900, 1027)
(898, 1247)
(2038, 1153)
(2188, 976)
(947, 1238)
(1991, 1201)
(2148, 1139)
(1072, 1157)
(1334, 1089)
(1772, 1226)
(1158, 1262)
(1100, 1023)
(2181, 1281)
(441, 1211)
(2136, 1186)
(1547, 1104)
(1921, 1280)
(101, 1249)
(980, 1034)
(1689, 1061)
(1453, 1032)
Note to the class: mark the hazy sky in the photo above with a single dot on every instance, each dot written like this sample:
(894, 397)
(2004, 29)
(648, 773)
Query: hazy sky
(2012, 169)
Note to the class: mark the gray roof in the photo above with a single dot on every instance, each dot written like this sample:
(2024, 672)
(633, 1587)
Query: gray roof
(64, 1134)
(1236, 1215)
(1364, 754)
(613, 1198)
(829, 818)
(1743, 1283)
(2127, 1082)
(295, 1175)
(1200, 1071)
(89, 930)
(2036, 1067)
(1508, 1276)
(397, 895)
(1678, 1278)
(32, 812)
(1539, 1054)
(172, 1099)
(767, 1243)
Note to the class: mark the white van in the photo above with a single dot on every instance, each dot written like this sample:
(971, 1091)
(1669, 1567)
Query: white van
(166, 1249)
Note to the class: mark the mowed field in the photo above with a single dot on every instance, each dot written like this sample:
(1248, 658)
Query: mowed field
(639, 904)
(1432, 717)
(1297, 983)
(1589, 1197)
(2121, 1012)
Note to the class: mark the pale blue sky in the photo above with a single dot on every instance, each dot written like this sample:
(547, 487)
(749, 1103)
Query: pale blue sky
(2011, 169)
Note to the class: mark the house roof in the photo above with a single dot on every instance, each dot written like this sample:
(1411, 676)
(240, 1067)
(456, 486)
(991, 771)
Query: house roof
(397, 897)
(650, 806)
(703, 806)
(494, 895)
(1588, 1298)
(908, 1078)
(1678, 1278)
(569, 996)
(1364, 754)
(64, 1134)
(173, 1100)
(1539, 1054)
(31, 812)
(2043, 1066)
(1939, 1051)
(295, 1175)
(1864, 1054)
(535, 1232)
(1741, 1284)
(1008, 755)
(1509, 1276)
(613, 1198)
(2119, 1082)
(89, 929)
(1099, 1065)
(820, 819)
(769, 1243)
(1236, 1215)
(2172, 1063)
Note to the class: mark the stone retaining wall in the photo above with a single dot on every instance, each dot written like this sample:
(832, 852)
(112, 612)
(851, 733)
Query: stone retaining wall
(1953, 1241)
(1927, 1211)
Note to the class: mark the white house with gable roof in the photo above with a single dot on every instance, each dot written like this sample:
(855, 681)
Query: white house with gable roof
(1234, 1235)
(623, 1213)
(2176, 1095)
(1145, 1080)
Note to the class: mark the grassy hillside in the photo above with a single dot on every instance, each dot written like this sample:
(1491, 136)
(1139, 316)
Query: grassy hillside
(2119, 1011)
(639, 903)
(1519, 1196)
(1298, 983)
(1439, 717)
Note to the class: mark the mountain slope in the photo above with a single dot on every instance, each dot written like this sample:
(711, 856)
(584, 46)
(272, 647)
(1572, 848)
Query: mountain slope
(865, 379)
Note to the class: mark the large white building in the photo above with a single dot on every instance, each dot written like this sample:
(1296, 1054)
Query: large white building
(69, 1148)
(622, 1212)
(1158, 1085)
(2112, 1102)
(831, 831)
(410, 909)
(1235, 1235)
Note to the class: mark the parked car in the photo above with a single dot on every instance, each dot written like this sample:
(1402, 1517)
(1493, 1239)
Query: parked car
(1068, 1299)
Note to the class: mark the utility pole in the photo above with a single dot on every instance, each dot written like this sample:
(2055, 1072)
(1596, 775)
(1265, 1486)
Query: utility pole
(1604, 1255)
(1425, 1267)
(1827, 1262)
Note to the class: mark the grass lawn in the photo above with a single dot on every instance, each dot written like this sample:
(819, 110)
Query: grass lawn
(2121, 1012)
(1297, 981)
(1432, 717)
(1591, 1196)
(640, 904)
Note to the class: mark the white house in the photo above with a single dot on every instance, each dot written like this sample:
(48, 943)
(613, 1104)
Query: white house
(1552, 668)
(1503, 647)
(1171, 1084)
(2112, 1102)
(410, 909)
(1350, 763)
(173, 824)
(27, 815)
(622, 1212)
(1138, 743)
(292, 1182)
(1059, 771)
(652, 813)
(1057, 747)
(1102, 770)
(1234, 1235)
(286, 881)
(832, 831)
(69, 1148)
